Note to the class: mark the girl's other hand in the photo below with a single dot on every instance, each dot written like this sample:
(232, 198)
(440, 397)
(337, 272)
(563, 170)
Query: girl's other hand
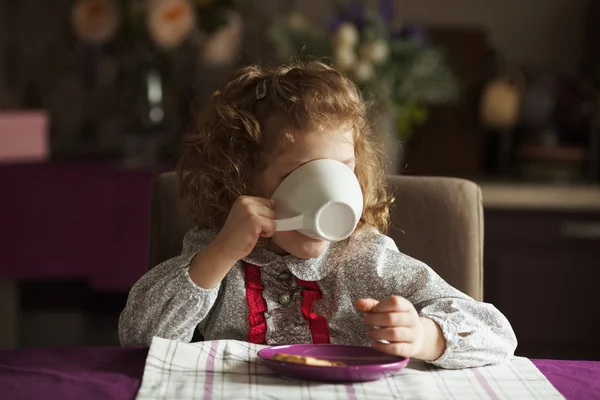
(396, 321)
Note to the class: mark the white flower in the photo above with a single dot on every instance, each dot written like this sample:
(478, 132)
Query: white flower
(376, 51)
(170, 22)
(221, 47)
(363, 71)
(297, 22)
(344, 58)
(346, 35)
(95, 21)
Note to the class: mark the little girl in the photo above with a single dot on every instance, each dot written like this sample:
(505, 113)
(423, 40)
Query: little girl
(237, 278)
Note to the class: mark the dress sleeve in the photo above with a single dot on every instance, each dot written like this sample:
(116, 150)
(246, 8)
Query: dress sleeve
(476, 333)
(165, 302)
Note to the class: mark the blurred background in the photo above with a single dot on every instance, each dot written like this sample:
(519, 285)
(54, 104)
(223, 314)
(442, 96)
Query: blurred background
(95, 95)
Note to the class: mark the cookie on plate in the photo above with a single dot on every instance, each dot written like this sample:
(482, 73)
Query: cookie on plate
(296, 359)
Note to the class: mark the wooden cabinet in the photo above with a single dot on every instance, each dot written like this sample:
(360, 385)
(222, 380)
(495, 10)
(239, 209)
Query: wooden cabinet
(542, 270)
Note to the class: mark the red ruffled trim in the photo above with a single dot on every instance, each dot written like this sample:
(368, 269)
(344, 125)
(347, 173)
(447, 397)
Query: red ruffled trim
(256, 305)
(317, 324)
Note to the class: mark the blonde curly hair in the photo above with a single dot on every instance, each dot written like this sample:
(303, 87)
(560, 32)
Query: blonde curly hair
(234, 135)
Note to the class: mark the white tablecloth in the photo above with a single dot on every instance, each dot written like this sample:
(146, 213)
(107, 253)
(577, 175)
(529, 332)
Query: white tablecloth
(226, 369)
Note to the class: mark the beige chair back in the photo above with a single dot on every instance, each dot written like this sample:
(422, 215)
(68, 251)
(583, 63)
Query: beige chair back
(436, 220)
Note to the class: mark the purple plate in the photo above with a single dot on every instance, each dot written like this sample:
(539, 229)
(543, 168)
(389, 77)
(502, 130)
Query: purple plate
(363, 363)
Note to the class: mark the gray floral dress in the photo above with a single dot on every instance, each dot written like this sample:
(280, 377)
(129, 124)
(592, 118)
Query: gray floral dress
(272, 299)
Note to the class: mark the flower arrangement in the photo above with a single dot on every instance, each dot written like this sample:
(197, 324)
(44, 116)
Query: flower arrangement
(395, 64)
(167, 23)
(140, 59)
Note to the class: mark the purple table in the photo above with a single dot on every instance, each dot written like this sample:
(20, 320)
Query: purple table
(75, 221)
(79, 221)
(115, 373)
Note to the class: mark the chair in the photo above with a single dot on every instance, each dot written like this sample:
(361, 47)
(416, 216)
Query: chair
(436, 220)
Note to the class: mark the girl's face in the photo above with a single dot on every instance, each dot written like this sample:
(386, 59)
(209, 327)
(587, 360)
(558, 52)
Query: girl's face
(307, 146)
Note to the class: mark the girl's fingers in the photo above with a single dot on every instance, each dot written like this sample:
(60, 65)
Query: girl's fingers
(396, 349)
(365, 305)
(393, 304)
(265, 211)
(254, 203)
(267, 227)
(394, 334)
(390, 319)
(259, 200)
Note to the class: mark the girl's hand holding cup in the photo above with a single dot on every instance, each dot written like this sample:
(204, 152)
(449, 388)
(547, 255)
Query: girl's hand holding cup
(249, 219)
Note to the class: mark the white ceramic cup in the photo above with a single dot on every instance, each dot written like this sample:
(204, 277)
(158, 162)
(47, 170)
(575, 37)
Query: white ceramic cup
(321, 199)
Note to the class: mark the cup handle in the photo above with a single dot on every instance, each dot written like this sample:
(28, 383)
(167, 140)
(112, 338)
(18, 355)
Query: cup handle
(290, 224)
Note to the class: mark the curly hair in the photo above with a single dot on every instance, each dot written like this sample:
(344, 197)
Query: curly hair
(233, 136)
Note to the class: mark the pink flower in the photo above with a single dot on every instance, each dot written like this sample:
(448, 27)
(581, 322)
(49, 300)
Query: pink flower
(95, 21)
(221, 47)
(170, 22)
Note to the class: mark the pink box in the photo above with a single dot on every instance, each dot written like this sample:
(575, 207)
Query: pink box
(23, 136)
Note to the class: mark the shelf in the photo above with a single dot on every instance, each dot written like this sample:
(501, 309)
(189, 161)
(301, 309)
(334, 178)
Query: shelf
(542, 197)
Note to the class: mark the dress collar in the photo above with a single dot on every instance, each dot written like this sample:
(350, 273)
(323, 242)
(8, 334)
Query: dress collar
(312, 269)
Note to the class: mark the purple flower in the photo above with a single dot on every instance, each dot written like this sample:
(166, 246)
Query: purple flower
(387, 11)
(354, 13)
(335, 24)
(412, 32)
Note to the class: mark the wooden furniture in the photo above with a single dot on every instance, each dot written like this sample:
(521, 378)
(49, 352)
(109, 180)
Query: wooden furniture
(542, 266)
(450, 143)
